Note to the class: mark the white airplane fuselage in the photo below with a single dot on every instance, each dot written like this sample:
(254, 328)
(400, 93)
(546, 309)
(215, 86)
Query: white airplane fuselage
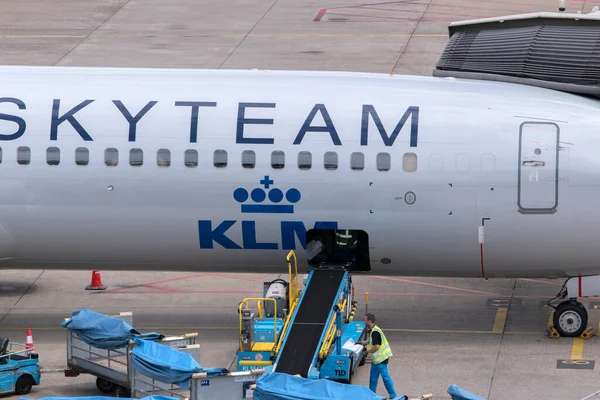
(507, 176)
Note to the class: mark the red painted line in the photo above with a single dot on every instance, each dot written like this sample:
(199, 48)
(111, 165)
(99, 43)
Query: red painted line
(539, 281)
(439, 286)
(386, 18)
(579, 286)
(231, 276)
(176, 291)
(419, 12)
(320, 14)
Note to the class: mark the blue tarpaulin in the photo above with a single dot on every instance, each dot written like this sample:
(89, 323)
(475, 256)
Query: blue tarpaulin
(457, 393)
(278, 386)
(166, 364)
(101, 398)
(102, 331)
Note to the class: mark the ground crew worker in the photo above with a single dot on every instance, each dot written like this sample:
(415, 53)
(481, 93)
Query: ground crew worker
(380, 351)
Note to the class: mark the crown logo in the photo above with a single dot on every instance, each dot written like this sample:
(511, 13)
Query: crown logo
(259, 195)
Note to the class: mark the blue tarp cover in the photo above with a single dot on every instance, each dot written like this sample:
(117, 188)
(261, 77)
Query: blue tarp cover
(101, 398)
(278, 386)
(457, 393)
(166, 364)
(102, 331)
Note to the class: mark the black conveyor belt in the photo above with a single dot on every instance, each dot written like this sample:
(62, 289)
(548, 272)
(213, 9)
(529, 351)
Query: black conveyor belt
(310, 321)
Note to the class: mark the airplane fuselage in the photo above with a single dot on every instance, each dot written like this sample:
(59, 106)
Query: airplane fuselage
(227, 171)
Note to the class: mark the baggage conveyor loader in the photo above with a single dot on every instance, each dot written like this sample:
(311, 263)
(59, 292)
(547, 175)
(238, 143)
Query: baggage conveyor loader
(304, 333)
(320, 326)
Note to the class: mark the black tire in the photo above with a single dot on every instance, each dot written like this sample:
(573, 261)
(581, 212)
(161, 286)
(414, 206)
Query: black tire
(24, 384)
(570, 319)
(122, 392)
(105, 386)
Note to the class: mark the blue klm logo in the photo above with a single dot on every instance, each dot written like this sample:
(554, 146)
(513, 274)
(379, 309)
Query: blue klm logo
(290, 230)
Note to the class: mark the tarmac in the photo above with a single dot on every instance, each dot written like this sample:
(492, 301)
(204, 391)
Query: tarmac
(485, 336)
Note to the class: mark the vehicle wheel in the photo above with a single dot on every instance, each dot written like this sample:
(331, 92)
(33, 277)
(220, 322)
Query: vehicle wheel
(105, 386)
(24, 384)
(570, 319)
(122, 392)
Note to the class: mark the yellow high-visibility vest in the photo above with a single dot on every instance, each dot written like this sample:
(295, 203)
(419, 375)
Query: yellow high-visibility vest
(384, 352)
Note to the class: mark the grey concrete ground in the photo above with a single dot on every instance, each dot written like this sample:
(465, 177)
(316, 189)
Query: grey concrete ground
(442, 331)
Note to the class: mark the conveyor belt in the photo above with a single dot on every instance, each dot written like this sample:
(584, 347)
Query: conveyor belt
(310, 322)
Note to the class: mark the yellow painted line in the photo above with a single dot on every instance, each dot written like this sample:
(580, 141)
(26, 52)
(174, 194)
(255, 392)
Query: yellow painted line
(298, 36)
(231, 328)
(146, 328)
(501, 315)
(577, 349)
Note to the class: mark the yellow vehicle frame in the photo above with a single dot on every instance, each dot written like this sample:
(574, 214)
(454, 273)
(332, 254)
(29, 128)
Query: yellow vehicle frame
(293, 301)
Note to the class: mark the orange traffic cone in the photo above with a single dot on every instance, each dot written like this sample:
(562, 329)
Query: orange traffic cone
(96, 282)
(29, 341)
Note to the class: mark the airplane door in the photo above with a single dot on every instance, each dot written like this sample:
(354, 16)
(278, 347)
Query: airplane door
(538, 167)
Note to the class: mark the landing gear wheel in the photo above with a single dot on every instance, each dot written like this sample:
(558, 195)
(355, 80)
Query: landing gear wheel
(105, 386)
(570, 319)
(24, 384)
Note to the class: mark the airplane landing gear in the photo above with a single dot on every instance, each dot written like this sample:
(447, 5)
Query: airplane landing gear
(570, 318)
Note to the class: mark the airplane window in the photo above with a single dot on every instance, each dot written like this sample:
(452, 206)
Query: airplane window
(277, 159)
(23, 155)
(384, 161)
(111, 157)
(409, 162)
(163, 158)
(220, 158)
(53, 155)
(357, 161)
(82, 156)
(136, 157)
(0, 154)
(248, 159)
(331, 160)
(304, 160)
(191, 158)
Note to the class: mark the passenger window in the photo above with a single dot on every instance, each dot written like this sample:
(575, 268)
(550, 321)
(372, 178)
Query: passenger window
(357, 161)
(191, 158)
(53, 155)
(163, 158)
(0, 154)
(248, 159)
(82, 156)
(304, 160)
(384, 161)
(136, 157)
(220, 158)
(23, 155)
(409, 162)
(331, 160)
(111, 157)
(278, 159)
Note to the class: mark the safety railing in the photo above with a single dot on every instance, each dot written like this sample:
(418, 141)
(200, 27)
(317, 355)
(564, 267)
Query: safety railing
(244, 305)
(292, 276)
(331, 333)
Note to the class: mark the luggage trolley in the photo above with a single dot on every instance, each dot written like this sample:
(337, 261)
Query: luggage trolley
(232, 386)
(112, 368)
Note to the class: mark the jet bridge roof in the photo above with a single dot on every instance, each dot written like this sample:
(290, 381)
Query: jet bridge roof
(548, 49)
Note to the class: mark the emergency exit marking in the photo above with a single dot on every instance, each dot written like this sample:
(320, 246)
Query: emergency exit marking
(504, 303)
(575, 364)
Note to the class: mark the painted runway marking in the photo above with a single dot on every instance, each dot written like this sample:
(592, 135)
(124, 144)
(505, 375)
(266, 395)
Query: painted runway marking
(500, 320)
